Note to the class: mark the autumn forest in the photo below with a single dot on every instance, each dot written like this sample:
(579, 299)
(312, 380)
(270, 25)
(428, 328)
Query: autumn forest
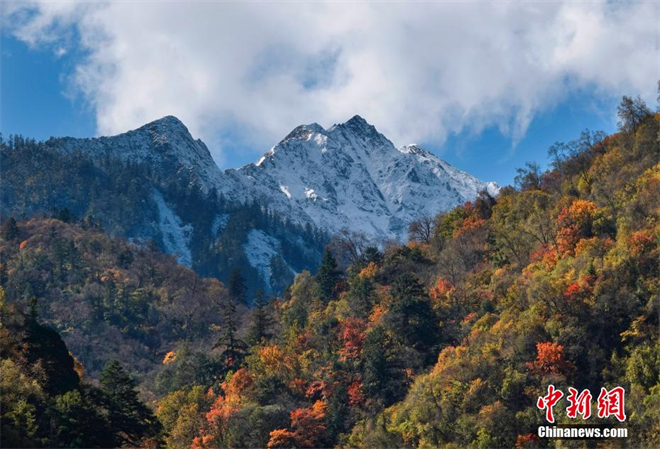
(446, 340)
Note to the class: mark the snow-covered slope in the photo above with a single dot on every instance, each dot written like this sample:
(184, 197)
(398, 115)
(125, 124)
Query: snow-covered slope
(352, 176)
(176, 236)
(349, 175)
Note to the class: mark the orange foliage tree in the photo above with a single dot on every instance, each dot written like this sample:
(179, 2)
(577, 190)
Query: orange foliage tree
(574, 224)
(228, 402)
(355, 394)
(281, 438)
(352, 334)
(307, 428)
(550, 360)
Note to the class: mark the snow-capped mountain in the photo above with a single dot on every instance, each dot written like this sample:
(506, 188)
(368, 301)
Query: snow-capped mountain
(350, 175)
(157, 183)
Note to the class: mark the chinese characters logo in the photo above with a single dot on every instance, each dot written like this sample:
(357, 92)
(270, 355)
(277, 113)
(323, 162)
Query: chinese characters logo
(610, 403)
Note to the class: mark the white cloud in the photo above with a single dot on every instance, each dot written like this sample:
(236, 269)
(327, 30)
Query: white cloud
(418, 71)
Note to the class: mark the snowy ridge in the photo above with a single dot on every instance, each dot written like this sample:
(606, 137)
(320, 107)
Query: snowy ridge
(465, 182)
(351, 175)
(348, 175)
(164, 141)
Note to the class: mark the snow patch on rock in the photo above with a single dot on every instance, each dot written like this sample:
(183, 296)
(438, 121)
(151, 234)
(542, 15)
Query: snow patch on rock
(176, 236)
(260, 249)
(219, 223)
(285, 190)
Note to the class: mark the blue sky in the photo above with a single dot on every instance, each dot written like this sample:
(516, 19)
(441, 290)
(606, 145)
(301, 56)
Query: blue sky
(241, 76)
(492, 156)
(33, 94)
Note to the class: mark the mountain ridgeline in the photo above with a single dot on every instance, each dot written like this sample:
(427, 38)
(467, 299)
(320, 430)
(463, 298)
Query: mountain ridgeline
(270, 219)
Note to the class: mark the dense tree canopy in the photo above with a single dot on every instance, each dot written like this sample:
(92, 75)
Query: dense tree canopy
(447, 341)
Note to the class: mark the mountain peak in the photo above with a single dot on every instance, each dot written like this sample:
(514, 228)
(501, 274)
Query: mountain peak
(358, 129)
(412, 148)
(165, 141)
(167, 125)
(167, 120)
(303, 132)
(357, 120)
(359, 124)
(354, 123)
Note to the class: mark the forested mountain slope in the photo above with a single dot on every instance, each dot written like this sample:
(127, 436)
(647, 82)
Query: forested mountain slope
(48, 402)
(269, 220)
(109, 298)
(446, 341)
(154, 197)
(449, 340)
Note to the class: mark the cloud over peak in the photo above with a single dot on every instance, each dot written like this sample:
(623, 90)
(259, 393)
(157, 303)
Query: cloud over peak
(418, 71)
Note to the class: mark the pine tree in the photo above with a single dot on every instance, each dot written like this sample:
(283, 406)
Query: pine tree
(78, 422)
(233, 348)
(60, 249)
(360, 295)
(64, 215)
(236, 286)
(327, 276)
(411, 316)
(261, 320)
(133, 421)
(33, 306)
(383, 377)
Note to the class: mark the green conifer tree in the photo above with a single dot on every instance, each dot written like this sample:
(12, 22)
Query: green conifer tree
(261, 320)
(129, 417)
(236, 287)
(9, 229)
(233, 348)
(327, 276)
